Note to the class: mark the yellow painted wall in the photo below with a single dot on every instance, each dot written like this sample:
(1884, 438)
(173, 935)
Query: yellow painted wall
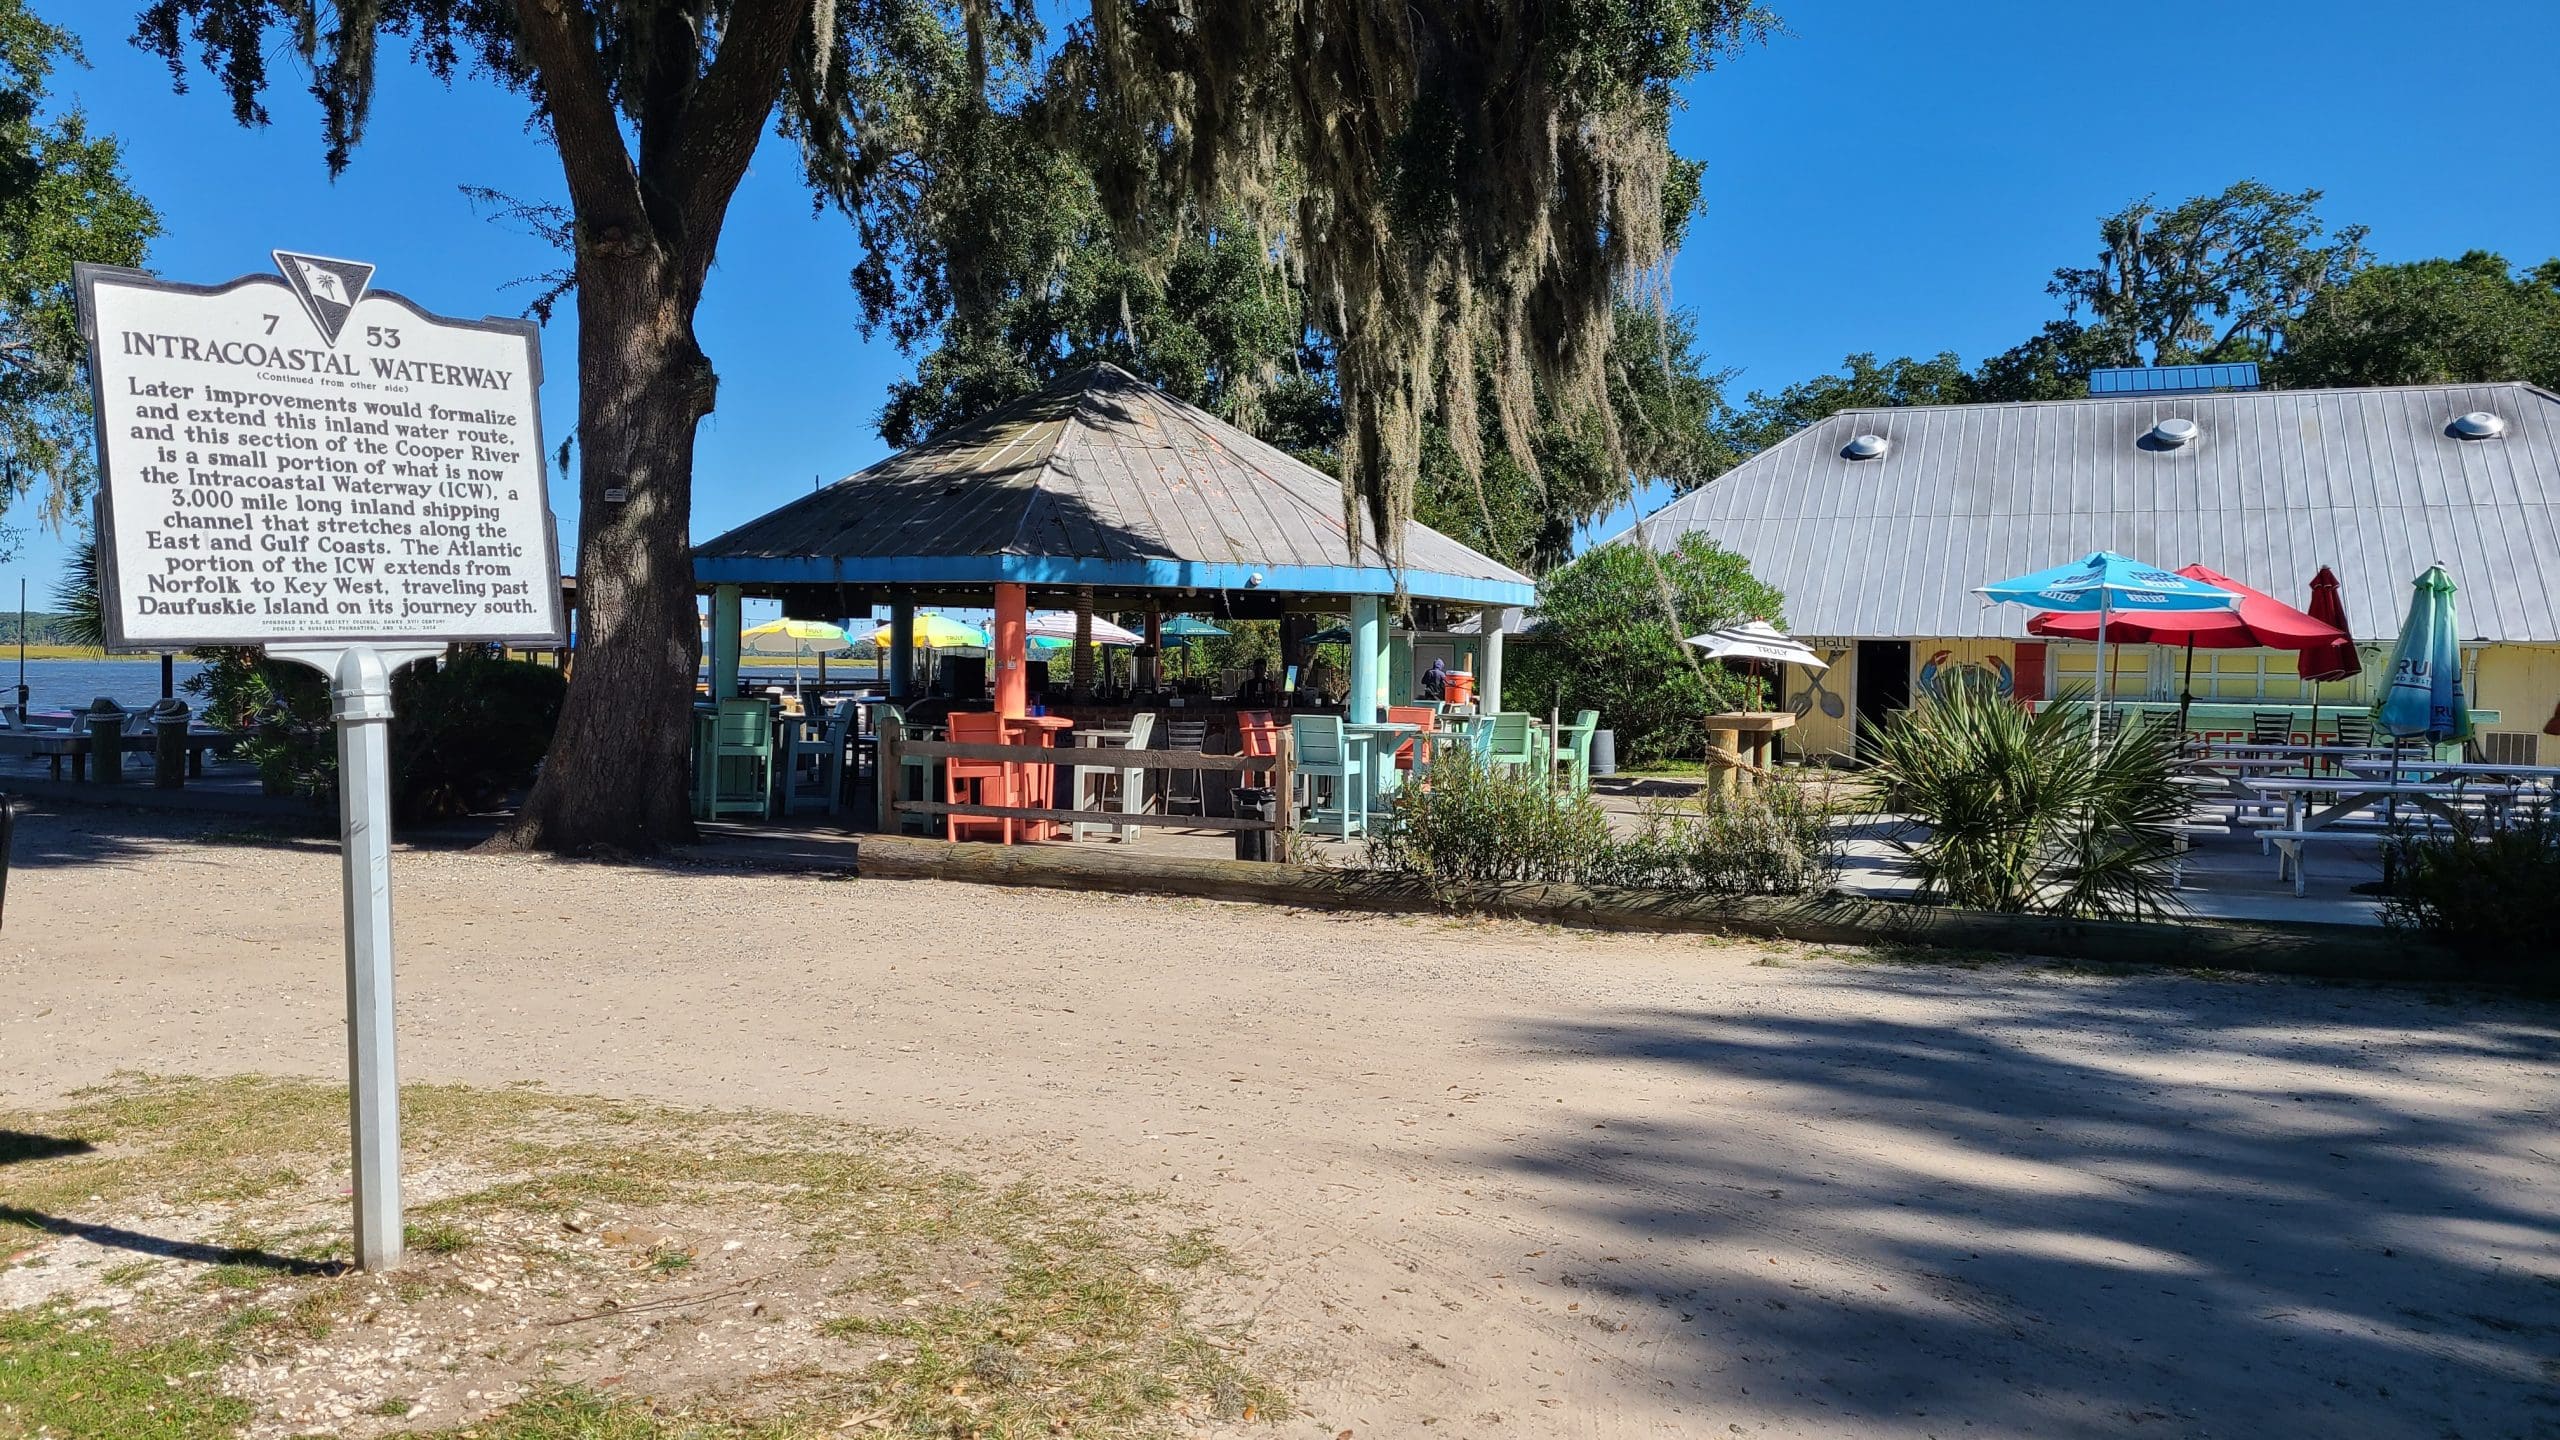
(1819, 733)
(2521, 683)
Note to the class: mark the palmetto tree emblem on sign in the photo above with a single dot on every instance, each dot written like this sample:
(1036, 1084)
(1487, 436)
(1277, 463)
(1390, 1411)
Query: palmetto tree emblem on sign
(328, 289)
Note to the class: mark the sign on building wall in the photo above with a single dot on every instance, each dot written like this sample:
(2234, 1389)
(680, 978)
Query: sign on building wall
(300, 457)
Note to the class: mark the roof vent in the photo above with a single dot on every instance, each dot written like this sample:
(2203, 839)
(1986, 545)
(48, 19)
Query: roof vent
(2479, 425)
(2171, 433)
(1865, 447)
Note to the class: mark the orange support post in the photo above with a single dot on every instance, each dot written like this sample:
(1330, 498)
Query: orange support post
(1013, 677)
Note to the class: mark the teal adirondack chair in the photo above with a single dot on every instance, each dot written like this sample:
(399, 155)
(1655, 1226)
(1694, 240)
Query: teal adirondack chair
(734, 773)
(1324, 754)
(1573, 749)
(893, 721)
(1511, 739)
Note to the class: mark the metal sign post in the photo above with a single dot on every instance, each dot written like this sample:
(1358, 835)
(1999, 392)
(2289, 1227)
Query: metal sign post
(301, 462)
(360, 699)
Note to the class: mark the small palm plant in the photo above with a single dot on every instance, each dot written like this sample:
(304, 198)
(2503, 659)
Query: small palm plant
(84, 620)
(2021, 814)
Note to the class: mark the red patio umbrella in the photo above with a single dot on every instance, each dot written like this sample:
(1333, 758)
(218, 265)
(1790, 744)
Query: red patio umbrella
(2330, 659)
(2260, 622)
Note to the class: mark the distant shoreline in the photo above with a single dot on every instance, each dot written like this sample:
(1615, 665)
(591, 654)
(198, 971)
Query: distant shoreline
(68, 652)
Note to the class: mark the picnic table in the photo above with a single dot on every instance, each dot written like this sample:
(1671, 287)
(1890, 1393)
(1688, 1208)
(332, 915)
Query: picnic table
(2351, 796)
(73, 745)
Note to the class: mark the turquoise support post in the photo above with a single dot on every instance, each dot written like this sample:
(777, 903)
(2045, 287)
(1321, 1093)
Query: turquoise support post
(902, 647)
(1368, 652)
(728, 628)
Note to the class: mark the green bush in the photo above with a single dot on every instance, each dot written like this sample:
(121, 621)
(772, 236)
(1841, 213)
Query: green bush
(1770, 839)
(2022, 814)
(1478, 824)
(2492, 896)
(464, 732)
(1606, 641)
(1468, 823)
(280, 710)
(468, 731)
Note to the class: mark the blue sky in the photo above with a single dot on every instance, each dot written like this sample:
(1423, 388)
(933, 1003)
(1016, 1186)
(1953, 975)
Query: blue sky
(1885, 176)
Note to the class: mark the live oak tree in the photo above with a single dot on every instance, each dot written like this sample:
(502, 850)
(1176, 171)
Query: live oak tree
(654, 107)
(1468, 188)
(63, 199)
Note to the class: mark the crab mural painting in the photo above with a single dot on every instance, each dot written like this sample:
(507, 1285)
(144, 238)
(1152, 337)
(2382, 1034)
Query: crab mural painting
(1936, 670)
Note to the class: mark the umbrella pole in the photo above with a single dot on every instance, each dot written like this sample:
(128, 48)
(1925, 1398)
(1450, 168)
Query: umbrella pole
(2187, 690)
(2098, 691)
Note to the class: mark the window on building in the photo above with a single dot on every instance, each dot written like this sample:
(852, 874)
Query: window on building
(2128, 671)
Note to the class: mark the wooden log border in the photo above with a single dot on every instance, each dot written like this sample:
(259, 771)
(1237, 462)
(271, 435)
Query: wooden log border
(2336, 952)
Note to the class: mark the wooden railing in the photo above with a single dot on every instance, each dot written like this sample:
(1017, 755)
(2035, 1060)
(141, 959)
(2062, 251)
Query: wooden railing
(1274, 772)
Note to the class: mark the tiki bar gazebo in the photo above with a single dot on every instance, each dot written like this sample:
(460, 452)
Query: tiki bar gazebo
(1098, 493)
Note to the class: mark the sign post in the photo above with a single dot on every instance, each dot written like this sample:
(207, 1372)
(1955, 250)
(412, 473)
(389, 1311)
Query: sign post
(302, 462)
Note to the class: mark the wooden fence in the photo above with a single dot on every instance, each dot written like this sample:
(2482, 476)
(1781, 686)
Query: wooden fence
(1275, 771)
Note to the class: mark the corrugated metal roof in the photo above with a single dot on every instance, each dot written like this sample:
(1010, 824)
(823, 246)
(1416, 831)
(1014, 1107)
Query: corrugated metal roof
(2276, 484)
(1097, 479)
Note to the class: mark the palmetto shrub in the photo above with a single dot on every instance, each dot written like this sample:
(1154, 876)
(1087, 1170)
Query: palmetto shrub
(2016, 811)
(2492, 895)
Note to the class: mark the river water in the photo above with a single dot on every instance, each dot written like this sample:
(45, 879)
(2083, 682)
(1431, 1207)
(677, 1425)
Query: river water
(135, 684)
(73, 684)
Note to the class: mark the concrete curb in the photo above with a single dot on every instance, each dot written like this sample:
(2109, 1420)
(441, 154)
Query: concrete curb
(2334, 952)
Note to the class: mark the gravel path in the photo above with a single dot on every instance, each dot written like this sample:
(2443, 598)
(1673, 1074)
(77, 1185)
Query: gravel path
(1493, 1180)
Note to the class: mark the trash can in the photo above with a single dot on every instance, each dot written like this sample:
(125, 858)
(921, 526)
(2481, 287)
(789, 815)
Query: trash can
(1604, 752)
(169, 744)
(1254, 802)
(105, 723)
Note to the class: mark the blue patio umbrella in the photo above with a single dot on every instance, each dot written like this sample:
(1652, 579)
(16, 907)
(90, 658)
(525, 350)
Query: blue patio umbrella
(2108, 584)
(2424, 700)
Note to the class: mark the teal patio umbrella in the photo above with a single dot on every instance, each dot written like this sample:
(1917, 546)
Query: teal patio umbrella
(2112, 587)
(2424, 700)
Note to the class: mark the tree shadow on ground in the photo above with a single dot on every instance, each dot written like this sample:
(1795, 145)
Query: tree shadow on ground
(160, 1247)
(2084, 1206)
(17, 1147)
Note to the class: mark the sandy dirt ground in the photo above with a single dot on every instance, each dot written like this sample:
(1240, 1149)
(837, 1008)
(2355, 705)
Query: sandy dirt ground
(1492, 1180)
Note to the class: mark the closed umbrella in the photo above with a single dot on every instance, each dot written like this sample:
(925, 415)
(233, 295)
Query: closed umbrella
(2107, 583)
(2425, 700)
(2331, 660)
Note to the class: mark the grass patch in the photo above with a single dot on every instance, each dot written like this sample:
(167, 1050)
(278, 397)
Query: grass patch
(436, 1237)
(574, 1234)
(63, 1373)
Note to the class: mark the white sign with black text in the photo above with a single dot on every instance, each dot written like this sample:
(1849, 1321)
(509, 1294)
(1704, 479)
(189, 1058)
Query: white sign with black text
(300, 457)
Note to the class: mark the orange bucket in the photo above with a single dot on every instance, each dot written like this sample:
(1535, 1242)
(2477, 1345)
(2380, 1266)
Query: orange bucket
(1460, 688)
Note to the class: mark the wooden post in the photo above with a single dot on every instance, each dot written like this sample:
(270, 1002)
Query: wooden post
(1283, 778)
(889, 775)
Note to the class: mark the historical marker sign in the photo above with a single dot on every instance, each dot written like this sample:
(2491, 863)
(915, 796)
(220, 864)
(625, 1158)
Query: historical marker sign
(303, 462)
(300, 457)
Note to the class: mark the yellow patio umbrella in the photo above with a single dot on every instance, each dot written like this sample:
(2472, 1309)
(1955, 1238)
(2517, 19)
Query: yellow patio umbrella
(937, 632)
(795, 638)
(932, 632)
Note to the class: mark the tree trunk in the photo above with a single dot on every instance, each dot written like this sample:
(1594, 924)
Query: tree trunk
(618, 770)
